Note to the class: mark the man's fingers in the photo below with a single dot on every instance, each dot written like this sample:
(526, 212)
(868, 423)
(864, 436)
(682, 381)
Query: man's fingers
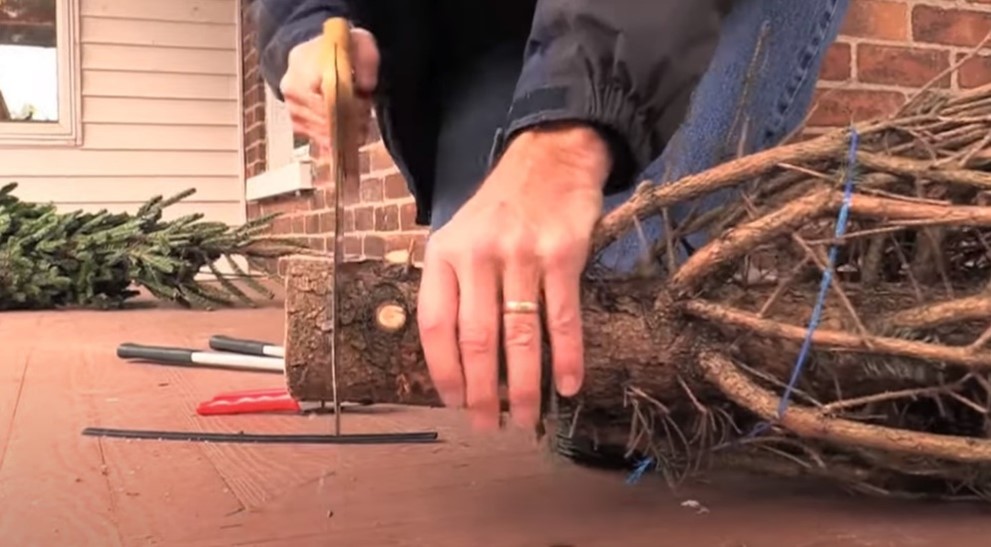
(521, 334)
(437, 315)
(366, 59)
(562, 294)
(478, 335)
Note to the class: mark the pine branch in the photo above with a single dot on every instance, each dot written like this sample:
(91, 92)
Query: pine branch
(51, 259)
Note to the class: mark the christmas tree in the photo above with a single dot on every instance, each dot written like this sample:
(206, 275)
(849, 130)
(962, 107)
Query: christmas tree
(51, 259)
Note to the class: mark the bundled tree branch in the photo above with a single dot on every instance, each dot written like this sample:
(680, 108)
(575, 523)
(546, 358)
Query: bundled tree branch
(52, 259)
(782, 345)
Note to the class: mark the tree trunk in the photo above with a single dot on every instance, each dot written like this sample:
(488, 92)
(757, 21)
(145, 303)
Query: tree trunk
(635, 334)
(380, 359)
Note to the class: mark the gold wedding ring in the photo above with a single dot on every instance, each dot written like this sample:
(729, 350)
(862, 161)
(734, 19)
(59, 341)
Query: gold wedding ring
(520, 306)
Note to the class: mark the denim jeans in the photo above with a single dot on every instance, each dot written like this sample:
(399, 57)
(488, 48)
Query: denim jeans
(758, 88)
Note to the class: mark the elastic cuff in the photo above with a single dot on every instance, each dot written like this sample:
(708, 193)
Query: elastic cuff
(609, 112)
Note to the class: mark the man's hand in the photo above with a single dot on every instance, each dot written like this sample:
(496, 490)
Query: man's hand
(526, 233)
(301, 85)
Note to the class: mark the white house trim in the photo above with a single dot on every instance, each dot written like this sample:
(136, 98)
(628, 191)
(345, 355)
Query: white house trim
(67, 131)
(288, 167)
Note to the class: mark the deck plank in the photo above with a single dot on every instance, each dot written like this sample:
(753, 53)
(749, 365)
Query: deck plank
(144, 396)
(54, 488)
(15, 364)
(58, 488)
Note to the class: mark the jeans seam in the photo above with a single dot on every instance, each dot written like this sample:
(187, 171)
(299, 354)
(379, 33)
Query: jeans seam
(806, 58)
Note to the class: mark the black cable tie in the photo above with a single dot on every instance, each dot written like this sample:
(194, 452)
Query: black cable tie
(262, 438)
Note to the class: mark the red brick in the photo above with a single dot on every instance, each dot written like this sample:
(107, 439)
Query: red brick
(371, 190)
(380, 158)
(403, 242)
(253, 210)
(364, 162)
(318, 243)
(352, 245)
(879, 19)
(839, 107)
(298, 225)
(280, 205)
(976, 71)
(397, 242)
(395, 187)
(311, 224)
(904, 66)
(373, 134)
(348, 223)
(836, 62)
(955, 27)
(282, 226)
(407, 217)
(352, 192)
(323, 175)
(327, 222)
(373, 246)
(387, 218)
(364, 219)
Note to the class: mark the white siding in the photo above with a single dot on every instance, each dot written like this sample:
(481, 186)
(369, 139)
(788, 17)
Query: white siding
(160, 112)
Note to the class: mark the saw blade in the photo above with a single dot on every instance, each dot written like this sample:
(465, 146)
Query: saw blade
(339, 93)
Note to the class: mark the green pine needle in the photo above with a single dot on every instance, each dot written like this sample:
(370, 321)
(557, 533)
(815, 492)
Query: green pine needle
(51, 259)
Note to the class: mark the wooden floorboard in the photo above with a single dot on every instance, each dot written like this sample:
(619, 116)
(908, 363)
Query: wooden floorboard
(59, 374)
(54, 487)
(17, 357)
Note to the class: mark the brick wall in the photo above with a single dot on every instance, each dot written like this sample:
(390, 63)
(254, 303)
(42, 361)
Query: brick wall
(887, 49)
(253, 89)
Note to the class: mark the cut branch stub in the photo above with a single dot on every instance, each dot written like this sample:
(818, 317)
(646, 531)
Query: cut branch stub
(380, 360)
(390, 316)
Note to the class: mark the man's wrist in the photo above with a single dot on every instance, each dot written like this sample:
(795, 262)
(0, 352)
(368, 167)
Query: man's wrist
(575, 148)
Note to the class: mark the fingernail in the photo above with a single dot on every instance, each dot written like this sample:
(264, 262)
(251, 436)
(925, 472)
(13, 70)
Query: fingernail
(569, 385)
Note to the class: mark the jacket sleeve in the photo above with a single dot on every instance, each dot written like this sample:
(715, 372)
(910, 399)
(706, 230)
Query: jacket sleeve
(626, 67)
(284, 24)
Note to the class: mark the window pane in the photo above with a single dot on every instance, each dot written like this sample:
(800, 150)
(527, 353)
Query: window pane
(28, 61)
(297, 139)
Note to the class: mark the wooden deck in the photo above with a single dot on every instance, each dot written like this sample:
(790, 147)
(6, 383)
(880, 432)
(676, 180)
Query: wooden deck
(59, 374)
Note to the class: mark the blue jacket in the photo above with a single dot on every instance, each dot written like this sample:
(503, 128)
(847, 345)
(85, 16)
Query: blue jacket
(627, 67)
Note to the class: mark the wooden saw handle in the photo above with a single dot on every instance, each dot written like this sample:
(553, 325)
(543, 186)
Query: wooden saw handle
(337, 86)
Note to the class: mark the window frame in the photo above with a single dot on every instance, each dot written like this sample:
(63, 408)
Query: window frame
(279, 140)
(67, 130)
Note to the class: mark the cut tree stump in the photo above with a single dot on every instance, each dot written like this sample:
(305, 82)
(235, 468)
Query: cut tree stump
(381, 360)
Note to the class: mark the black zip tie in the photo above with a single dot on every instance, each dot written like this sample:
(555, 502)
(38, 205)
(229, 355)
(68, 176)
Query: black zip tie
(261, 438)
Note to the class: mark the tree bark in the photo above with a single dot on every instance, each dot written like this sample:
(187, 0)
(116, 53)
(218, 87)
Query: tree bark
(383, 363)
(634, 334)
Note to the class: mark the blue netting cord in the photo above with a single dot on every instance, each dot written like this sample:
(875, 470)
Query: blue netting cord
(638, 472)
(827, 276)
(827, 280)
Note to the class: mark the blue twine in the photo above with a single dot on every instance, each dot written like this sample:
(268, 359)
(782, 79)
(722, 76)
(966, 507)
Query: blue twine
(827, 276)
(827, 280)
(638, 472)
